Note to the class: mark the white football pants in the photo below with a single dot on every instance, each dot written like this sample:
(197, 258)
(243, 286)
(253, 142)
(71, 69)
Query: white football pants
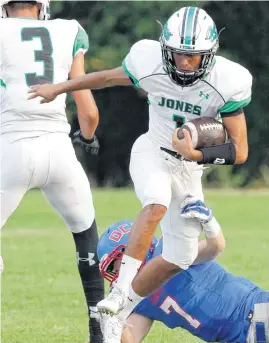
(160, 178)
(47, 162)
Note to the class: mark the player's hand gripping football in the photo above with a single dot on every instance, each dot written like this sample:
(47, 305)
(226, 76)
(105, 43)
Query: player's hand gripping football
(184, 146)
(47, 91)
(92, 145)
(195, 208)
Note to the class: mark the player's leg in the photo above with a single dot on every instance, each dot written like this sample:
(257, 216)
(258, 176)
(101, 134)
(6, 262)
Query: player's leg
(152, 181)
(16, 172)
(180, 249)
(214, 243)
(68, 191)
(116, 331)
(259, 327)
(139, 327)
(180, 236)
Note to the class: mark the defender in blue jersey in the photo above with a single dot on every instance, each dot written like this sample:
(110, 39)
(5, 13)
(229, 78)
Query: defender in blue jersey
(210, 303)
(206, 300)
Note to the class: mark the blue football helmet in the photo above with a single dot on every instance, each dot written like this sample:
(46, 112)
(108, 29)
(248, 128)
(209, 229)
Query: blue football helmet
(111, 248)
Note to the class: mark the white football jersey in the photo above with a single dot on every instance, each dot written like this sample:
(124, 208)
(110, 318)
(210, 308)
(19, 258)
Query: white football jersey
(225, 89)
(35, 52)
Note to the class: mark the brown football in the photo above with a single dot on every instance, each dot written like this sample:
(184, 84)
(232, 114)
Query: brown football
(204, 132)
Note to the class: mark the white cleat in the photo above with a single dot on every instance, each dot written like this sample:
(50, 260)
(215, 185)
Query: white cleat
(114, 302)
(112, 328)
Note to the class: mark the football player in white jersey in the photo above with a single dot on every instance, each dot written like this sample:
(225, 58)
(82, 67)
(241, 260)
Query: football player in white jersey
(184, 79)
(36, 151)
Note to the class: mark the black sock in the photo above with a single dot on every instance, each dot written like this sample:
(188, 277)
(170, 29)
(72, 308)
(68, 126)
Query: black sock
(93, 283)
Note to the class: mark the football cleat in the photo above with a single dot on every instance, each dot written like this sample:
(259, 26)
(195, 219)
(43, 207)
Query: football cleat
(114, 302)
(112, 328)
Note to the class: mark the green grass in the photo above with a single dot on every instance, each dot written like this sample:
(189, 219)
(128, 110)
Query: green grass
(42, 298)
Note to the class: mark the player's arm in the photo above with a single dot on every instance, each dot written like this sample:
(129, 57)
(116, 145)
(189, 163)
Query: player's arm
(237, 131)
(214, 244)
(88, 115)
(132, 70)
(210, 248)
(138, 329)
(233, 152)
(96, 80)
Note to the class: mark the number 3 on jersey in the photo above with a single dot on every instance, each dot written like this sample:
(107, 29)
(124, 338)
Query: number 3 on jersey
(44, 55)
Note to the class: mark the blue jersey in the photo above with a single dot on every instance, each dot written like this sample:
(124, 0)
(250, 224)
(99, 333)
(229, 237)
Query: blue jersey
(206, 300)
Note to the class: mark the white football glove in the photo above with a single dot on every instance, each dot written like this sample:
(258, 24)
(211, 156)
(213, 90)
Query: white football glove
(195, 209)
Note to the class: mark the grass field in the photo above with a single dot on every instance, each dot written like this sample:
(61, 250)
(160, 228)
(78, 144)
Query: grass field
(42, 298)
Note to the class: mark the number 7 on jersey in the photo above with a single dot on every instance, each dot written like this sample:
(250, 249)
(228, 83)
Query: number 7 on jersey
(169, 303)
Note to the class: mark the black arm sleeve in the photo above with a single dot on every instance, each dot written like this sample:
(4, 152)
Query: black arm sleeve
(219, 154)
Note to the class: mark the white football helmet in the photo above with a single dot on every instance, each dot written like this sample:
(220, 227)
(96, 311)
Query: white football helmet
(189, 31)
(44, 13)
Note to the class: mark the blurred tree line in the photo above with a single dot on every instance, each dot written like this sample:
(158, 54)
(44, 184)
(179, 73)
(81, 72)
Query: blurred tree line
(113, 27)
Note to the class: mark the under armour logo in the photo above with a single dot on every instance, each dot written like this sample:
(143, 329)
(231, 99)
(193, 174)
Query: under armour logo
(85, 259)
(206, 96)
(219, 161)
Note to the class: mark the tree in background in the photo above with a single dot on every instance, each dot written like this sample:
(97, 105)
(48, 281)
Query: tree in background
(246, 37)
(114, 26)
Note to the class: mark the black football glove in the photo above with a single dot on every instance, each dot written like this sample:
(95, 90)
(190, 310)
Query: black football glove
(92, 145)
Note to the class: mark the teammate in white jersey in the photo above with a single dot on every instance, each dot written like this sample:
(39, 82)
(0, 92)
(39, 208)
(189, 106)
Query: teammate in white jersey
(36, 151)
(184, 79)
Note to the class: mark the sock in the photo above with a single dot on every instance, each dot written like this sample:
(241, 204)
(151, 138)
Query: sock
(133, 300)
(92, 282)
(128, 270)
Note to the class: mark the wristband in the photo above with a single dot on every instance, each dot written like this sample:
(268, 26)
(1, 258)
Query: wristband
(218, 154)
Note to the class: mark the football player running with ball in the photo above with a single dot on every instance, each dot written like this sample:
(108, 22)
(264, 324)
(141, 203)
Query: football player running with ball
(36, 151)
(184, 79)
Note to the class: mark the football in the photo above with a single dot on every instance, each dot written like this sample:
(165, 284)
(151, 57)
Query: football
(204, 132)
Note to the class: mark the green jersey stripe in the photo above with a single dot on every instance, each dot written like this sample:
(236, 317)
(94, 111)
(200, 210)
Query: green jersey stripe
(232, 106)
(136, 82)
(2, 83)
(81, 41)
